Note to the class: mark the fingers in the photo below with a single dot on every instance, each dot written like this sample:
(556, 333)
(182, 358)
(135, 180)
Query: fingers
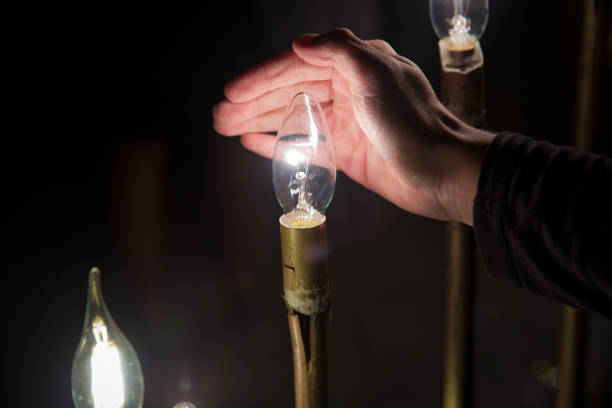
(267, 122)
(339, 48)
(284, 70)
(230, 112)
(259, 143)
(316, 58)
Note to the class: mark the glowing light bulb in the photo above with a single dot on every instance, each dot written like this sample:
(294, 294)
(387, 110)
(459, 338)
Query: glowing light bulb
(304, 163)
(462, 21)
(105, 371)
(184, 405)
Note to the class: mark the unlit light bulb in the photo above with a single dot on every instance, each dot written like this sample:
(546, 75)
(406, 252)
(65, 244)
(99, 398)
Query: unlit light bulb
(106, 372)
(304, 163)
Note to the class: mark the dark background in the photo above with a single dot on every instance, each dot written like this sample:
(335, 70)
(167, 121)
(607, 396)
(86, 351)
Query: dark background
(112, 161)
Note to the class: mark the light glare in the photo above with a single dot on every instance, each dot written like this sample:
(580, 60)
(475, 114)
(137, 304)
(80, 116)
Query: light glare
(294, 157)
(106, 375)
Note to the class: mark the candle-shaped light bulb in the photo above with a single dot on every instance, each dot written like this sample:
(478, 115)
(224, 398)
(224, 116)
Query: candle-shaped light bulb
(304, 163)
(105, 371)
(184, 405)
(462, 21)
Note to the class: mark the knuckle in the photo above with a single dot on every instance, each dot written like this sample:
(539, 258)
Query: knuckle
(382, 45)
(342, 32)
(344, 44)
(340, 35)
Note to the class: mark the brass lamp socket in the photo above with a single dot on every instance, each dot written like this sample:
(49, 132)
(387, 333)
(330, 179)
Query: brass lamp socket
(462, 60)
(304, 264)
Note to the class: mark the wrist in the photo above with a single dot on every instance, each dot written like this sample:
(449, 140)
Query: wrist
(460, 183)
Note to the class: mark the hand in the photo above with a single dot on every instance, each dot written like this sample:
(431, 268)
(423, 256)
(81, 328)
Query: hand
(390, 132)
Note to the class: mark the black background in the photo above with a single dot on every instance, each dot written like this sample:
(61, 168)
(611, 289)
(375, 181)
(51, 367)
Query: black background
(110, 159)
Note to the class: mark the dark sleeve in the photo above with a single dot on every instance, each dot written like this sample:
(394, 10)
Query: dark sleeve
(543, 219)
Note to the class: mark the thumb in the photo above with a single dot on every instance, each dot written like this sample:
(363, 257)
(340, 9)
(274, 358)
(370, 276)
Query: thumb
(339, 48)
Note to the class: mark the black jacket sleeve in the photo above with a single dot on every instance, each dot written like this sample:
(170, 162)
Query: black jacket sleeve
(543, 219)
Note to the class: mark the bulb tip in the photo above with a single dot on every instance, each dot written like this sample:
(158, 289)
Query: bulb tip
(95, 269)
(304, 97)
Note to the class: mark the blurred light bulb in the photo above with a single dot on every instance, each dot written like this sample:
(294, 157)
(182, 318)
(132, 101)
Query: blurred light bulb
(105, 371)
(184, 405)
(304, 164)
(463, 21)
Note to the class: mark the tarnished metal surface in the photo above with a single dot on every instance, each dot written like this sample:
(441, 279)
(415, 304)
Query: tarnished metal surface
(571, 357)
(306, 293)
(463, 95)
(304, 257)
(459, 316)
(573, 324)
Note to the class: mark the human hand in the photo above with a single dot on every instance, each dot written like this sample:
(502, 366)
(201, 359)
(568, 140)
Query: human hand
(390, 132)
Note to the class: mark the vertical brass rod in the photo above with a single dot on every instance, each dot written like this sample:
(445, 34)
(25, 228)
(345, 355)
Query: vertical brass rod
(317, 367)
(588, 74)
(570, 358)
(463, 95)
(459, 320)
(573, 323)
(300, 365)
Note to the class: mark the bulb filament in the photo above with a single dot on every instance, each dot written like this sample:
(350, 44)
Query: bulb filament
(460, 32)
(304, 209)
(106, 375)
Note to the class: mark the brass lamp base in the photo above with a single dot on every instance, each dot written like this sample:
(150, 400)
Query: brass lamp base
(306, 294)
(461, 60)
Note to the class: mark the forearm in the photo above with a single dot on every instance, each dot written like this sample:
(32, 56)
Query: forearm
(543, 219)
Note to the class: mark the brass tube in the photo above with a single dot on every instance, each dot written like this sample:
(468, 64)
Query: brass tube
(463, 95)
(593, 21)
(573, 323)
(306, 294)
(300, 366)
(459, 320)
(571, 357)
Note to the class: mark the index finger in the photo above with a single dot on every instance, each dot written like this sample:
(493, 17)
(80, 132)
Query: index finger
(283, 70)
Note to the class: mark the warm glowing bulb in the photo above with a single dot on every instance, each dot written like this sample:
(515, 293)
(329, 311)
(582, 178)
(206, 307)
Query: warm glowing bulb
(304, 164)
(105, 372)
(184, 405)
(461, 21)
(106, 375)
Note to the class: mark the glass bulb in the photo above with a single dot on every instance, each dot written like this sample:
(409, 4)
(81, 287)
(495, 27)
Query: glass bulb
(184, 405)
(304, 163)
(463, 21)
(105, 371)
